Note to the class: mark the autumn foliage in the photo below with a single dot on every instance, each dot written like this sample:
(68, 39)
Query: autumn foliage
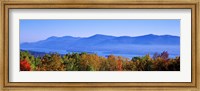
(24, 65)
(93, 62)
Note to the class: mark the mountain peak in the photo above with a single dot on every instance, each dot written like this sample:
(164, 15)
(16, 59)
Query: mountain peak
(100, 36)
(52, 37)
(67, 37)
(160, 35)
(169, 36)
(150, 35)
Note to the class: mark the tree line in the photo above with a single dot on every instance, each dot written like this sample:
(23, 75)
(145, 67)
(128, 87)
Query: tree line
(93, 62)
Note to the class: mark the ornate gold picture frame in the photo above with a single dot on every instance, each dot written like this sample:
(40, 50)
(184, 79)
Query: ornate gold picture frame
(112, 4)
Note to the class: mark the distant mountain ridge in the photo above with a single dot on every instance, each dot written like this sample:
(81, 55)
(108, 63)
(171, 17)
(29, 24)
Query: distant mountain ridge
(99, 41)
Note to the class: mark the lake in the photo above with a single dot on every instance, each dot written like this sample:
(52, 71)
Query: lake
(127, 51)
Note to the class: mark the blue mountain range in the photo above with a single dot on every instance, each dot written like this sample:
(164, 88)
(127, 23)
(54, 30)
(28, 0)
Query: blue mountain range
(104, 45)
(99, 40)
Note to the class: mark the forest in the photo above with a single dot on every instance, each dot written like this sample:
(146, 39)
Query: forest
(92, 62)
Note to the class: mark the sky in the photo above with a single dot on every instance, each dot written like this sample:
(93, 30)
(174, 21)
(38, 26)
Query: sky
(35, 30)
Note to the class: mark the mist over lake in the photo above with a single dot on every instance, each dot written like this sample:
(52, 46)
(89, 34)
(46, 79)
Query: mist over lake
(129, 51)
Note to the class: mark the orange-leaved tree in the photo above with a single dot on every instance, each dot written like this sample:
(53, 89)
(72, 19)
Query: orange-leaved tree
(24, 65)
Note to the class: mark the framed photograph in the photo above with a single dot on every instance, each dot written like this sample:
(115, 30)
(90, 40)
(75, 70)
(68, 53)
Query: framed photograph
(111, 44)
